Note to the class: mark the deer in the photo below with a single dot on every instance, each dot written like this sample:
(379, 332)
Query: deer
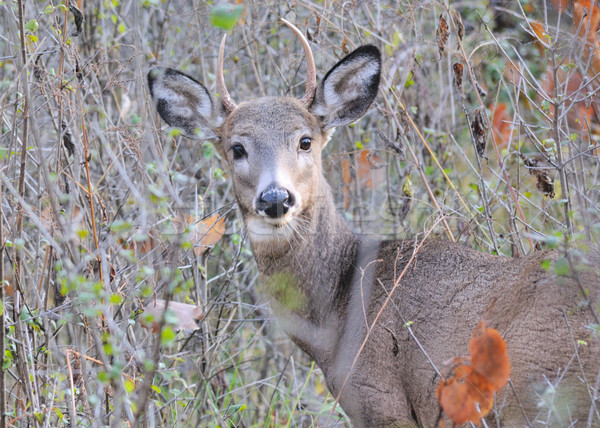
(381, 319)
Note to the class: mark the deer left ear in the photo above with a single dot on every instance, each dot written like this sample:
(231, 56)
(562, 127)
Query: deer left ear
(185, 103)
(349, 88)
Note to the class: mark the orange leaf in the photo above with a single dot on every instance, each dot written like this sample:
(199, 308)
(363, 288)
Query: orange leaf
(207, 233)
(585, 21)
(540, 34)
(367, 169)
(346, 173)
(489, 357)
(468, 395)
(500, 124)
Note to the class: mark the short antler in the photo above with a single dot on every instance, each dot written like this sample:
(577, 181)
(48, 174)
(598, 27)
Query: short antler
(221, 88)
(311, 71)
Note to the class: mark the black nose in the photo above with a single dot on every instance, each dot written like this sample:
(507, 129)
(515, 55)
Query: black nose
(275, 201)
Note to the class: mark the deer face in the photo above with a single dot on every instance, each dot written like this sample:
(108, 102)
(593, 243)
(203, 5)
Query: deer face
(273, 149)
(272, 145)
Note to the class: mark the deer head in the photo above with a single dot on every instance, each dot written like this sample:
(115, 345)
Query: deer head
(272, 145)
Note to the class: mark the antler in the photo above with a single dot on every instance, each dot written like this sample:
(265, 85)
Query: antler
(311, 71)
(221, 88)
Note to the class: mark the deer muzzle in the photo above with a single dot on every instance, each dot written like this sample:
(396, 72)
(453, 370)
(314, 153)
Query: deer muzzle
(274, 202)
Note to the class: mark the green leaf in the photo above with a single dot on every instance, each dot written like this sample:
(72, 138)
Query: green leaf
(116, 299)
(561, 267)
(129, 386)
(546, 264)
(225, 16)
(167, 336)
(32, 26)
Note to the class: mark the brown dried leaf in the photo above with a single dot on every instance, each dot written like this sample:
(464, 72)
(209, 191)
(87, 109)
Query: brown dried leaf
(345, 47)
(78, 17)
(478, 129)
(185, 314)
(67, 139)
(441, 35)
(545, 183)
(460, 28)
(458, 77)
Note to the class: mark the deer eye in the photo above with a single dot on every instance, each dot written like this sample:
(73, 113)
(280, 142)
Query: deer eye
(238, 151)
(305, 143)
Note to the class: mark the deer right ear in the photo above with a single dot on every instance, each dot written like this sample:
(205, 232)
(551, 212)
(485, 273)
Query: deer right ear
(349, 88)
(185, 103)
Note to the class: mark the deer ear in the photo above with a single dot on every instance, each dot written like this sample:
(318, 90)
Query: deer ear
(185, 103)
(349, 88)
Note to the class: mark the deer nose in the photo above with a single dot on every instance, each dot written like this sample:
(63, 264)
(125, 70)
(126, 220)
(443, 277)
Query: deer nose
(275, 201)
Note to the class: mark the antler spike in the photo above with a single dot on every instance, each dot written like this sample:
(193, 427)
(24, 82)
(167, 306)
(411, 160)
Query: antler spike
(221, 88)
(311, 71)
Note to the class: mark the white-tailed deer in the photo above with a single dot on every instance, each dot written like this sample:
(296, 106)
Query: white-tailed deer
(328, 285)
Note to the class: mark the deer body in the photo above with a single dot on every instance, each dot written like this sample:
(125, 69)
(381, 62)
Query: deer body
(328, 285)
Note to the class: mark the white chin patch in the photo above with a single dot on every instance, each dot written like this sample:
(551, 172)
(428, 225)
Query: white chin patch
(267, 230)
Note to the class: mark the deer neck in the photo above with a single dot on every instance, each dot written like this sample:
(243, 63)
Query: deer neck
(307, 276)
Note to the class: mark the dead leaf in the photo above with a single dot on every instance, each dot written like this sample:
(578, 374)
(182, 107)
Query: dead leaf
(441, 35)
(397, 146)
(489, 357)
(541, 37)
(67, 139)
(347, 179)
(460, 28)
(468, 394)
(184, 313)
(500, 124)
(586, 20)
(207, 233)
(458, 77)
(478, 129)
(78, 17)
(344, 46)
(538, 167)
(368, 169)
